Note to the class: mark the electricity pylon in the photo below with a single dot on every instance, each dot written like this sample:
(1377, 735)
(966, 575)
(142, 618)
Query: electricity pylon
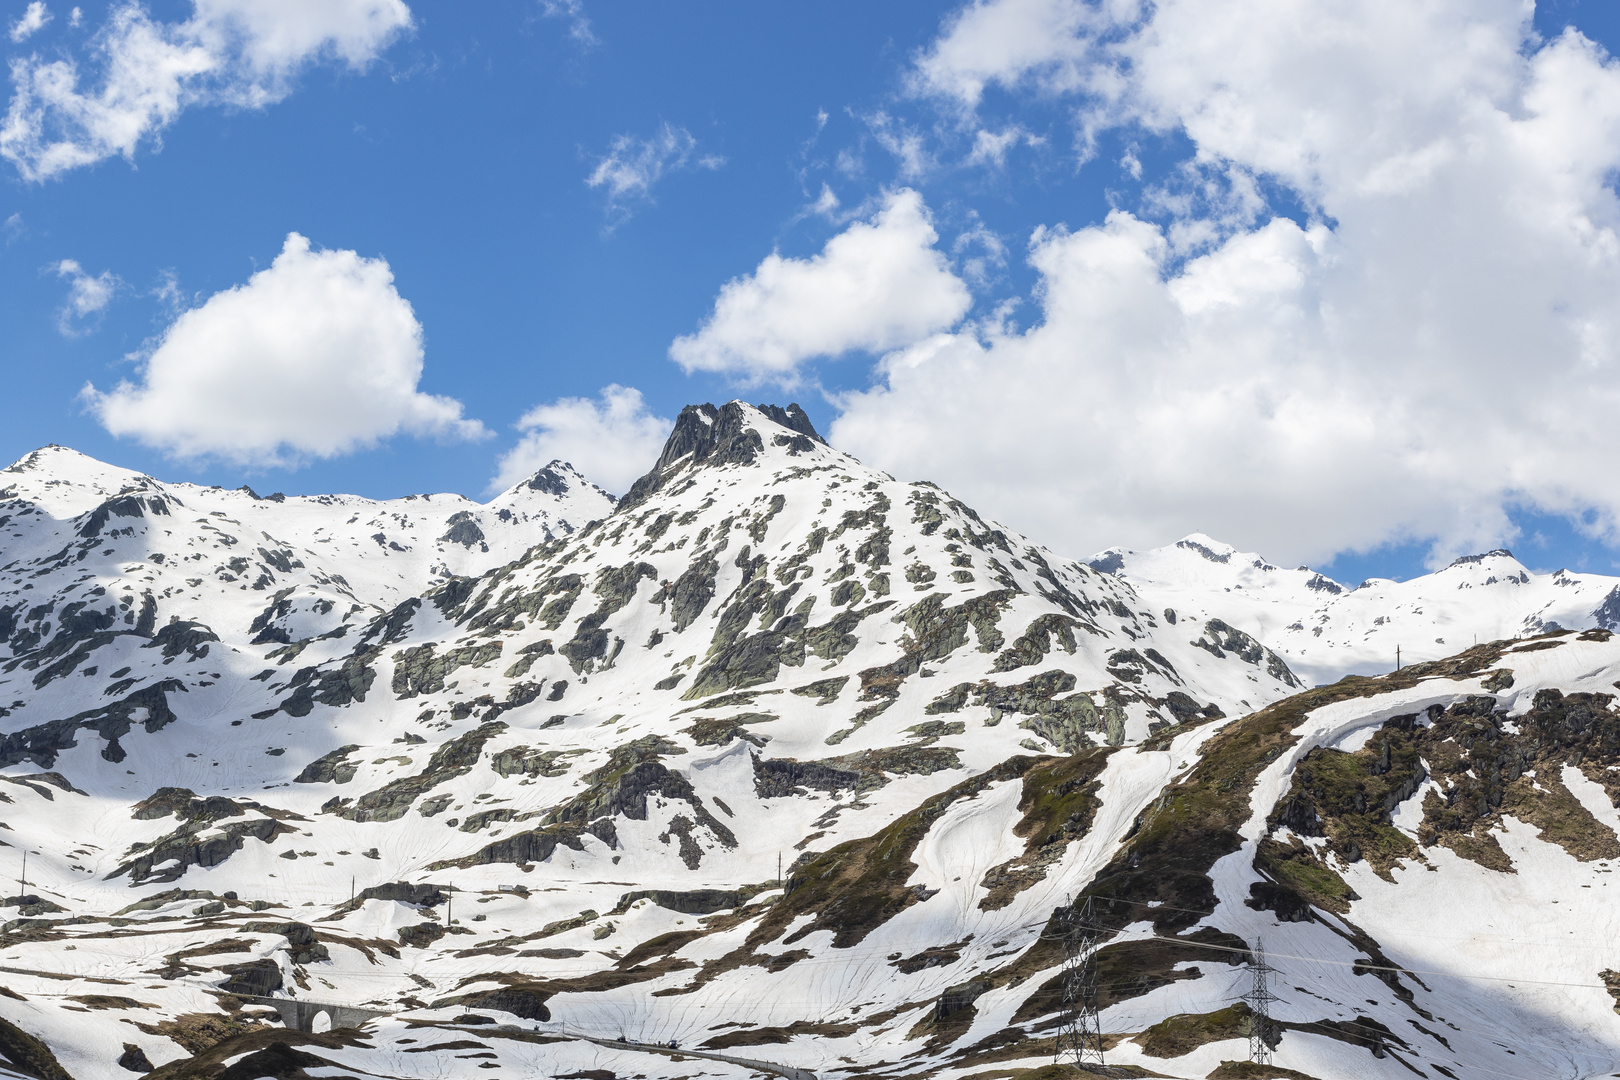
(1080, 1031)
(1260, 998)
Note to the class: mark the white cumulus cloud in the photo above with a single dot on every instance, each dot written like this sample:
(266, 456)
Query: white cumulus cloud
(142, 73)
(34, 18)
(314, 357)
(88, 296)
(878, 285)
(1010, 42)
(1434, 344)
(612, 440)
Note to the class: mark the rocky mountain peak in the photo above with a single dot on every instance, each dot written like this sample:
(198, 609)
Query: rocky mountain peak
(736, 433)
(43, 458)
(65, 482)
(1469, 560)
(548, 480)
(560, 481)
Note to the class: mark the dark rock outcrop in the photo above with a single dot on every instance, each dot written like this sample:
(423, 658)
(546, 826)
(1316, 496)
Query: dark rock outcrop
(135, 1060)
(709, 436)
(28, 1055)
(256, 978)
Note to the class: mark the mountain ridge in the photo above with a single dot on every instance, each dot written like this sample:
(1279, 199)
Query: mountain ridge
(600, 746)
(1326, 630)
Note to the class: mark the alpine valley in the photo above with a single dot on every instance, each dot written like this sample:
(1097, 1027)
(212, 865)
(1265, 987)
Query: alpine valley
(788, 762)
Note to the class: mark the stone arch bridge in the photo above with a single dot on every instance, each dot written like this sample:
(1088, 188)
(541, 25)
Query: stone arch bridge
(300, 1015)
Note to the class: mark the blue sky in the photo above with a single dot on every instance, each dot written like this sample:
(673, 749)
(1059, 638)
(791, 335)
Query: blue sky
(459, 149)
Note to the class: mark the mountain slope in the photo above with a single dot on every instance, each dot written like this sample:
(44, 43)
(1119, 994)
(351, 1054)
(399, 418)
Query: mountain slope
(549, 786)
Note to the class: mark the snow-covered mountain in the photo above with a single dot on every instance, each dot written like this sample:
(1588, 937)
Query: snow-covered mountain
(1325, 629)
(519, 778)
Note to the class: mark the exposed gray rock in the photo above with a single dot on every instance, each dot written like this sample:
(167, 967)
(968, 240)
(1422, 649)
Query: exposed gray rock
(390, 802)
(170, 856)
(302, 948)
(122, 506)
(422, 670)
(41, 744)
(527, 761)
(183, 635)
(134, 1059)
(1037, 640)
(527, 656)
(1223, 639)
(779, 778)
(348, 682)
(825, 689)
(330, 768)
(464, 530)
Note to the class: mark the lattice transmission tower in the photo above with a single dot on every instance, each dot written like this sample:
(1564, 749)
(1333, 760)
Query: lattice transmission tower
(1259, 999)
(1080, 1032)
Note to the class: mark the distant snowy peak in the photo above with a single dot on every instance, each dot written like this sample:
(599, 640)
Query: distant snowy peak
(1325, 630)
(1488, 568)
(561, 493)
(1209, 548)
(65, 483)
(559, 480)
(1198, 561)
(246, 564)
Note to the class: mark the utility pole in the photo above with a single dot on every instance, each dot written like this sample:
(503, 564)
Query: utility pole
(778, 869)
(1080, 1031)
(22, 882)
(450, 907)
(1260, 998)
(1397, 658)
(351, 888)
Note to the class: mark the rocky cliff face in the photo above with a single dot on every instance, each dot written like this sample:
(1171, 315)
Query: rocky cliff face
(538, 762)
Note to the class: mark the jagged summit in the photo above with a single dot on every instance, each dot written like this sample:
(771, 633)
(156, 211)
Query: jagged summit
(553, 479)
(558, 480)
(736, 433)
(48, 457)
(1468, 560)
